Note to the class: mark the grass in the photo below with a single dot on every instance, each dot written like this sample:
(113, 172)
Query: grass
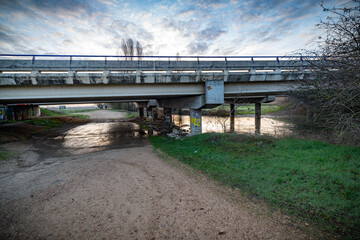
(4, 155)
(47, 123)
(47, 112)
(316, 181)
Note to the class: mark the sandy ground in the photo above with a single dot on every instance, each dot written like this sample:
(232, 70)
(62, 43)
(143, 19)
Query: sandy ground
(103, 181)
(105, 114)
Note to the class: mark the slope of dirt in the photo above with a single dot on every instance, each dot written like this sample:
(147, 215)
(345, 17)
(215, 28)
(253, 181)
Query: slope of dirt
(17, 131)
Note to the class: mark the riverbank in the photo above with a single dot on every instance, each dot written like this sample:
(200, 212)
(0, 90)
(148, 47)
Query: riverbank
(315, 181)
(101, 179)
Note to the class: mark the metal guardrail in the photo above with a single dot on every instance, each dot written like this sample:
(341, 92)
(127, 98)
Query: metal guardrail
(178, 58)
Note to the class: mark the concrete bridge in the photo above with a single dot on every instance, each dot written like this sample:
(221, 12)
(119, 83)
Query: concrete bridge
(163, 81)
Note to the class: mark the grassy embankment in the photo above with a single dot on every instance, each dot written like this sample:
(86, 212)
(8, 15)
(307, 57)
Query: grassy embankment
(51, 123)
(72, 113)
(316, 181)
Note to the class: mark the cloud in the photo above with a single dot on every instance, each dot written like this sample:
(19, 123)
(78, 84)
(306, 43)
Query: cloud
(195, 48)
(185, 28)
(212, 32)
(63, 6)
(4, 37)
(127, 29)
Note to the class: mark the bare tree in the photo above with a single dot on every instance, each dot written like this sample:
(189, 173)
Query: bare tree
(124, 48)
(333, 90)
(128, 47)
(139, 50)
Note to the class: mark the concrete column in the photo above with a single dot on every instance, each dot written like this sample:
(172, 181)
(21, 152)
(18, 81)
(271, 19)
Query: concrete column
(22, 112)
(141, 112)
(149, 112)
(3, 113)
(167, 116)
(180, 117)
(232, 117)
(257, 118)
(195, 121)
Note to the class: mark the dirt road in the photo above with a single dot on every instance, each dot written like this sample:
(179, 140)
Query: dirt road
(105, 114)
(97, 181)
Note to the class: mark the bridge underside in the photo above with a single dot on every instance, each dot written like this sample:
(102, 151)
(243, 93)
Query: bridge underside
(169, 84)
(40, 94)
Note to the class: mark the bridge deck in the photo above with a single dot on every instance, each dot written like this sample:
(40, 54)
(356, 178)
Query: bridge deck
(39, 80)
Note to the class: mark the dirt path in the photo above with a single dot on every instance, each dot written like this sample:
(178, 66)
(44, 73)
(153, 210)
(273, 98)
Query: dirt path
(105, 114)
(54, 191)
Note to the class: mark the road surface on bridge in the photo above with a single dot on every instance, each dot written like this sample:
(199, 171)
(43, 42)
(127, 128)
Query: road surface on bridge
(103, 181)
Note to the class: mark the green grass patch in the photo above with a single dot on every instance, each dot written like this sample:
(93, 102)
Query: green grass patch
(316, 181)
(47, 123)
(47, 112)
(8, 121)
(72, 113)
(4, 155)
(132, 114)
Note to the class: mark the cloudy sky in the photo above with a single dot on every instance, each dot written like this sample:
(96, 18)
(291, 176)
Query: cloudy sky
(164, 27)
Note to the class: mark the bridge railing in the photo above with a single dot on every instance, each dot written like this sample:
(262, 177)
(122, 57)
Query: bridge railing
(43, 63)
(34, 57)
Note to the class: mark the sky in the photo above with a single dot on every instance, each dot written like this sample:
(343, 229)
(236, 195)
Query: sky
(163, 27)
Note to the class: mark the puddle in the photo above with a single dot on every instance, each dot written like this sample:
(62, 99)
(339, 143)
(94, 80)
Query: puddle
(269, 126)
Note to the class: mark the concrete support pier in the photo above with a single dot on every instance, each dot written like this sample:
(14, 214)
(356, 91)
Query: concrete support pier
(149, 112)
(22, 112)
(257, 118)
(168, 116)
(195, 121)
(232, 117)
(141, 112)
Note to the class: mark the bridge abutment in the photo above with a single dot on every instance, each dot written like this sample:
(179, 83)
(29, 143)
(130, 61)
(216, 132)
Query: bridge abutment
(22, 112)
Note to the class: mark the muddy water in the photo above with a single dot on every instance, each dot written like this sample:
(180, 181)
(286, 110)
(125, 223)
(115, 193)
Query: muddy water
(74, 139)
(99, 136)
(269, 126)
